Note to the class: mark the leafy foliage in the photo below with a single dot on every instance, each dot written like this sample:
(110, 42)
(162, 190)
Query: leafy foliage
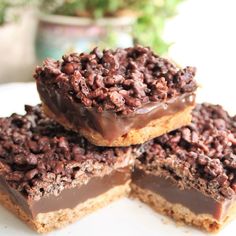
(5, 5)
(151, 15)
(150, 24)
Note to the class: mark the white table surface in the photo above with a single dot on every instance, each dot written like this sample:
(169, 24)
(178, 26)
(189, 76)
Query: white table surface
(125, 217)
(204, 36)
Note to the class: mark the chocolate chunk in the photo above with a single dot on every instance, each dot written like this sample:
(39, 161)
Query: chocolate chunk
(230, 161)
(31, 174)
(59, 168)
(117, 99)
(227, 192)
(203, 159)
(68, 68)
(4, 168)
(186, 134)
(213, 167)
(15, 176)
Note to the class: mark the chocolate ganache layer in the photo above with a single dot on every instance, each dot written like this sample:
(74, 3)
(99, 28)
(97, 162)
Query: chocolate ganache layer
(68, 197)
(190, 198)
(109, 124)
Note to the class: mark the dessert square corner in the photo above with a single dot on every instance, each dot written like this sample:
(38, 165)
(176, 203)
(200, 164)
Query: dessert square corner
(117, 97)
(43, 166)
(190, 174)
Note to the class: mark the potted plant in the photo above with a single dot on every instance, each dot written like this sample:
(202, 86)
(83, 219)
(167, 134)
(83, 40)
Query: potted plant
(79, 25)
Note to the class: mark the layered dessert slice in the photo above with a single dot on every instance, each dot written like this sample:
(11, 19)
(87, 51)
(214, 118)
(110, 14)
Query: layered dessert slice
(50, 177)
(117, 98)
(190, 174)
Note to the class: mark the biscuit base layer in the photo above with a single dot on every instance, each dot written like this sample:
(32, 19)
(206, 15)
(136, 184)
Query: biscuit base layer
(153, 129)
(178, 212)
(45, 222)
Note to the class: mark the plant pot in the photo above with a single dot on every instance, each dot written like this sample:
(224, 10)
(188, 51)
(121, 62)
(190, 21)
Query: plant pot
(57, 35)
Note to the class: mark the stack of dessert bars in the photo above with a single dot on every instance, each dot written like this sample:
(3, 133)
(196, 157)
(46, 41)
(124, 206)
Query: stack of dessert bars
(112, 124)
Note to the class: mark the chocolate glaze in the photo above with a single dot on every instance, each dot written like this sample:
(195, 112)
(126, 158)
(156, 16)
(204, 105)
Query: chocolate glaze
(68, 198)
(194, 200)
(109, 124)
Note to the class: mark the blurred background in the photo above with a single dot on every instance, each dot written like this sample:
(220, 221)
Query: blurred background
(199, 33)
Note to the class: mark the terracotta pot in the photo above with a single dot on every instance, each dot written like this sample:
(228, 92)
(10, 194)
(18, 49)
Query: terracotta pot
(57, 35)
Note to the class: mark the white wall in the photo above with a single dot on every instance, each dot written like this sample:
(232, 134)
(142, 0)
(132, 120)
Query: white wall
(17, 50)
(205, 36)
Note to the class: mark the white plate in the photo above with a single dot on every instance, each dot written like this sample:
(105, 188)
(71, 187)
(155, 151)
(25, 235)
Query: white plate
(124, 217)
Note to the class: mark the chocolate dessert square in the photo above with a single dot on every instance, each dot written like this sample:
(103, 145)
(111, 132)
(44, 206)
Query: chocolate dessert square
(117, 98)
(190, 174)
(50, 177)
